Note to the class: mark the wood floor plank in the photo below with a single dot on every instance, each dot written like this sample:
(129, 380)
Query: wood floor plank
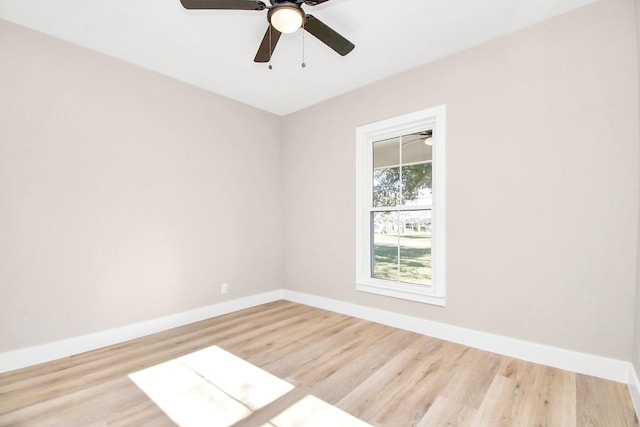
(562, 398)
(474, 370)
(409, 381)
(495, 410)
(601, 402)
(333, 384)
(381, 375)
(445, 412)
(313, 355)
(146, 413)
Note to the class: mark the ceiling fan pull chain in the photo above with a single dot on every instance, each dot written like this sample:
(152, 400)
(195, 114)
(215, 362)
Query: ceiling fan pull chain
(270, 50)
(303, 63)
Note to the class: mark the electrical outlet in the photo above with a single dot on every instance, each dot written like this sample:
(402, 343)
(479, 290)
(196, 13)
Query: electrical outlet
(224, 288)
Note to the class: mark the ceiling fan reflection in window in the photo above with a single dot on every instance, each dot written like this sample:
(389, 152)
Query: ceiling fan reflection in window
(284, 16)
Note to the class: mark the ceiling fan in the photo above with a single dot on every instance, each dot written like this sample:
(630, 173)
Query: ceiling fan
(284, 16)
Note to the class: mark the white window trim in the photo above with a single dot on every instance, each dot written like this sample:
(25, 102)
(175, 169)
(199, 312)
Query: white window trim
(430, 118)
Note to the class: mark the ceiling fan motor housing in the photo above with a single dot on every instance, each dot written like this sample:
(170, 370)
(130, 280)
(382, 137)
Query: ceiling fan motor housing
(286, 16)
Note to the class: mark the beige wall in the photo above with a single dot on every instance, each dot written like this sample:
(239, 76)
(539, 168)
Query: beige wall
(125, 195)
(542, 183)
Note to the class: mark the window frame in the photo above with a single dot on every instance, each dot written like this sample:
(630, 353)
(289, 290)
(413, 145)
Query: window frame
(433, 118)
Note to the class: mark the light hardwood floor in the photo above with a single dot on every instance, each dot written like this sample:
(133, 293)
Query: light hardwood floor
(381, 375)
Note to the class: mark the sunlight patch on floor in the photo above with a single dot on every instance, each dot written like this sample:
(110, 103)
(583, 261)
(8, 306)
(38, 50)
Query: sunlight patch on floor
(314, 412)
(209, 387)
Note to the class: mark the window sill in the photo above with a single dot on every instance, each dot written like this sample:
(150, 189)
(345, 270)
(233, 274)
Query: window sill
(406, 294)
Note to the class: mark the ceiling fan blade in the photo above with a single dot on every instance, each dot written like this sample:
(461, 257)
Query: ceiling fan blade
(314, 2)
(224, 4)
(327, 35)
(264, 53)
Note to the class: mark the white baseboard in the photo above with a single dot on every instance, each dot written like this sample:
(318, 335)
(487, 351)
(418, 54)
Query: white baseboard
(29, 356)
(598, 366)
(583, 363)
(634, 389)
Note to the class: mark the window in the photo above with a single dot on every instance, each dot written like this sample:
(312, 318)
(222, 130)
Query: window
(400, 207)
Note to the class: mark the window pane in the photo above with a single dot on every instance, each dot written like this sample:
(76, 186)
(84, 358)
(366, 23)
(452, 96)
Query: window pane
(384, 262)
(401, 246)
(416, 169)
(386, 172)
(415, 246)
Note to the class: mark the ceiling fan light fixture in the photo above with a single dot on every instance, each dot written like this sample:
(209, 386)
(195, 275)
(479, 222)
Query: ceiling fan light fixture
(428, 137)
(286, 19)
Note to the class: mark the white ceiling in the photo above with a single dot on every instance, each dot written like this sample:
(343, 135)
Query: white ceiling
(215, 49)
